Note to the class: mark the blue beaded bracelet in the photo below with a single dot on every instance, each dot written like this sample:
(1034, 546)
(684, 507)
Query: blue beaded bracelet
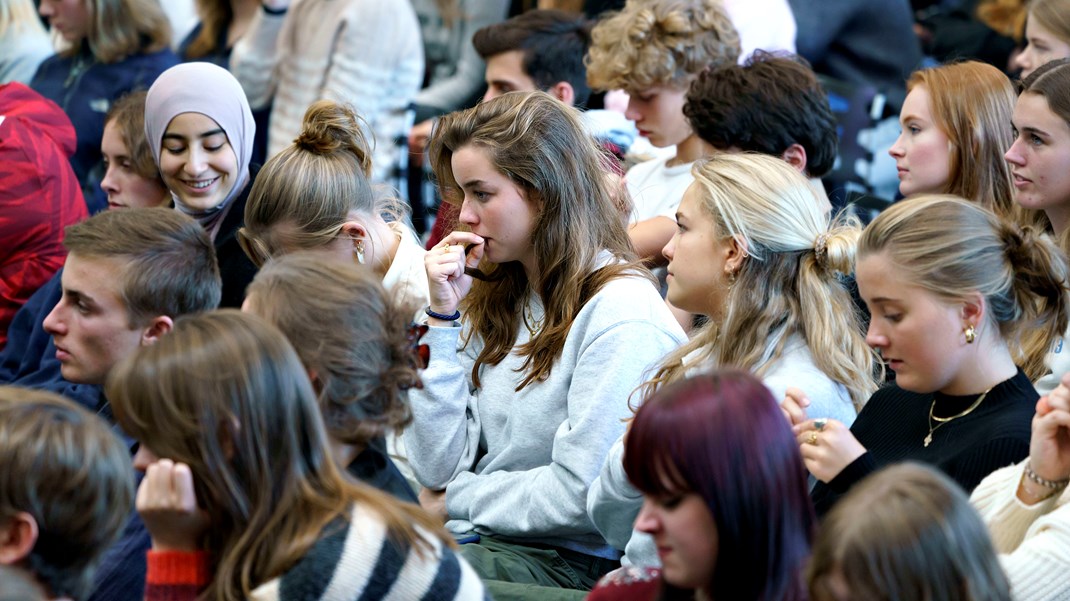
(274, 11)
(456, 315)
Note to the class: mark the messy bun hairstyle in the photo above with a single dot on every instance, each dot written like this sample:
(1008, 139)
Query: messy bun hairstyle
(952, 247)
(314, 185)
(349, 335)
(789, 283)
(660, 42)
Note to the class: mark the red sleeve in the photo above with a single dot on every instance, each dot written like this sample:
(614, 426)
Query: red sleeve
(628, 584)
(176, 575)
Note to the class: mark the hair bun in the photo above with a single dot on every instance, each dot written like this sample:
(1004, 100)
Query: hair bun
(834, 250)
(330, 127)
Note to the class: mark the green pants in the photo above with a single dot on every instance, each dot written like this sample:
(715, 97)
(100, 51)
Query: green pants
(522, 572)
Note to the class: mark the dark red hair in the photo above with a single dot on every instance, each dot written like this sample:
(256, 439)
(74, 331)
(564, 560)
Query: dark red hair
(722, 436)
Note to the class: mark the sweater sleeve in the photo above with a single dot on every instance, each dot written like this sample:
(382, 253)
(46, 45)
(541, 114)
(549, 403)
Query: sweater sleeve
(613, 503)
(554, 496)
(255, 58)
(176, 575)
(1031, 539)
(377, 65)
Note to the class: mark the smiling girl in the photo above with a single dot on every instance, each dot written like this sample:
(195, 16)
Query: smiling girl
(951, 287)
(202, 142)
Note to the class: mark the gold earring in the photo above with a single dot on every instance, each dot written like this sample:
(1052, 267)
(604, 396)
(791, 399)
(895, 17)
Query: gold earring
(359, 250)
(971, 334)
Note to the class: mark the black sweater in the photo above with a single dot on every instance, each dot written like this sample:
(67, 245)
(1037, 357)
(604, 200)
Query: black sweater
(894, 423)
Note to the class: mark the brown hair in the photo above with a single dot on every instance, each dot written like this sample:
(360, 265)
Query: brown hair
(348, 332)
(972, 104)
(539, 144)
(128, 114)
(1051, 15)
(1051, 81)
(952, 247)
(660, 42)
(215, 16)
(122, 28)
(304, 194)
(906, 533)
(252, 434)
(68, 470)
(171, 264)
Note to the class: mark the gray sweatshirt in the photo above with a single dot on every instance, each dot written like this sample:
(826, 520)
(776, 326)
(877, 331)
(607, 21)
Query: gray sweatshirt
(517, 465)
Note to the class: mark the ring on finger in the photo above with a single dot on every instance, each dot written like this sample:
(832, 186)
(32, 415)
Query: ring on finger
(445, 248)
(812, 439)
(820, 423)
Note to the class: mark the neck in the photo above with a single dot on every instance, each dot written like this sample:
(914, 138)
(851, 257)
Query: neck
(1059, 218)
(343, 453)
(982, 371)
(691, 149)
(244, 11)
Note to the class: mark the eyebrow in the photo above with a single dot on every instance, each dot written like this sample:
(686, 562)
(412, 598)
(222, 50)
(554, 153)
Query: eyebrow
(77, 295)
(884, 299)
(910, 116)
(1032, 130)
(472, 183)
(207, 134)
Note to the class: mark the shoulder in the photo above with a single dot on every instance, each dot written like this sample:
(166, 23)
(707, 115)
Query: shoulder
(631, 297)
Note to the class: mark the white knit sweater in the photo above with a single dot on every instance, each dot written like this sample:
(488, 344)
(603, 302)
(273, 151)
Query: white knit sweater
(366, 53)
(1033, 541)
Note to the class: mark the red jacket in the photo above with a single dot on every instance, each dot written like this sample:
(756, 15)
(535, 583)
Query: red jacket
(39, 195)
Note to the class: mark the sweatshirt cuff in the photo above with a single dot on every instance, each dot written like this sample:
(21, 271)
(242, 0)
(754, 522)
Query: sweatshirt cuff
(178, 568)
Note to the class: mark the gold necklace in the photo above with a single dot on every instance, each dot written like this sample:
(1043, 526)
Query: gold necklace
(534, 325)
(943, 420)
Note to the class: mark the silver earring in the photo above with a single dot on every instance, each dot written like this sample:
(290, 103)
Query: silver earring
(359, 250)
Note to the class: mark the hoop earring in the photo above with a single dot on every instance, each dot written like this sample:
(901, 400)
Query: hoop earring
(971, 334)
(359, 251)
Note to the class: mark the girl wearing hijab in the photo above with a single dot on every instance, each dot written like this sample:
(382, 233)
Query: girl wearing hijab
(202, 143)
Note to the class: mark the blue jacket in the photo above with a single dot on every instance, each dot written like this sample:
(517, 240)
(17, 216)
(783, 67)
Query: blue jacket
(85, 89)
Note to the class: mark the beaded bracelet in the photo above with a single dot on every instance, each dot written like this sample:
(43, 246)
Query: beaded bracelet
(274, 11)
(456, 314)
(1054, 485)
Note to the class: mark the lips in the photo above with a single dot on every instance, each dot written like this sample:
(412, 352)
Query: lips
(1020, 181)
(200, 185)
(62, 354)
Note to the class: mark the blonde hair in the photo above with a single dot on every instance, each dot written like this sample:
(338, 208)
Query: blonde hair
(660, 42)
(18, 15)
(972, 104)
(349, 334)
(122, 28)
(952, 247)
(1053, 15)
(226, 394)
(906, 533)
(305, 193)
(787, 285)
(541, 146)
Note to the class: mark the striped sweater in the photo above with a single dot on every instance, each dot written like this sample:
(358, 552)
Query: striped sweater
(366, 53)
(352, 560)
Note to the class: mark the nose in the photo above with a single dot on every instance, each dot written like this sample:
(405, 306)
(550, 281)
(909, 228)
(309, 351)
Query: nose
(491, 94)
(45, 10)
(875, 338)
(633, 112)
(53, 323)
(1023, 61)
(196, 161)
(144, 458)
(896, 151)
(670, 249)
(108, 183)
(467, 215)
(1014, 153)
(648, 520)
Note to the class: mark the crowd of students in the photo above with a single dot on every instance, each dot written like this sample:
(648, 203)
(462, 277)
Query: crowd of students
(639, 356)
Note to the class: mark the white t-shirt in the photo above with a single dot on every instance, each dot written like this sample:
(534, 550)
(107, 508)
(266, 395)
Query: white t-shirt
(656, 188)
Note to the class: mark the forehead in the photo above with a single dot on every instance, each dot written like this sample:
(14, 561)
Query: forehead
(191, 124)
(112, 141)
(509, 67)
(917, 102)
(1033, 108)
(95, 277)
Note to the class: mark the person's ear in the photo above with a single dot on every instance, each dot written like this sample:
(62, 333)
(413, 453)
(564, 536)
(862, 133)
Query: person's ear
(160, 326)
(564, 92)
(735, 253)
(795, 155)
(18, 535)
(973, 311)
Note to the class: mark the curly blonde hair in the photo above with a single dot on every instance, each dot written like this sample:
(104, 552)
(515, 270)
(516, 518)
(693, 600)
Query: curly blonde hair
(660, 42)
